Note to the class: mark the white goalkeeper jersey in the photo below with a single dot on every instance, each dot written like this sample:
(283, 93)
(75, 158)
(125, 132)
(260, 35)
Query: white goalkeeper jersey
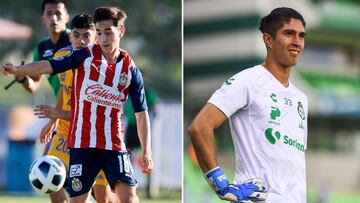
(268, 125)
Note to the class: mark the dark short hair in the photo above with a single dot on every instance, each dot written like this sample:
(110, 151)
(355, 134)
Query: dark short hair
(115, 14)
(82, 21)
(277, 18)
(52, 2)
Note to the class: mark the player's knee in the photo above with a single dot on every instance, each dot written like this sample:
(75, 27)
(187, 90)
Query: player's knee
(57, 200)
(132, 198)
(59, 197)
(113, 198)
(108, 198)
(103, 199)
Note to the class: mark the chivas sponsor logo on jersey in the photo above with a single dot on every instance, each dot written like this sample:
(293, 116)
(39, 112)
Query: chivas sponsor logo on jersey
(103, 95)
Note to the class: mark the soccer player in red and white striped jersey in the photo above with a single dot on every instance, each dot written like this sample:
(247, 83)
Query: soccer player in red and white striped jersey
(104, 76)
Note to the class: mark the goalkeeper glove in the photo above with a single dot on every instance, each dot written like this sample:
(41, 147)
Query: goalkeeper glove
(251, 190)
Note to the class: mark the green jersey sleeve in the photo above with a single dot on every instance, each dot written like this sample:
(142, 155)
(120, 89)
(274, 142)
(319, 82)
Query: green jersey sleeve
(36, 56)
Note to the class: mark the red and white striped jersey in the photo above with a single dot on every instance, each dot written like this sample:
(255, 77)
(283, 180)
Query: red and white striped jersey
(99, 91)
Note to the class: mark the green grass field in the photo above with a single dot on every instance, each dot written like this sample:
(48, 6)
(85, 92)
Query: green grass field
(164, 197)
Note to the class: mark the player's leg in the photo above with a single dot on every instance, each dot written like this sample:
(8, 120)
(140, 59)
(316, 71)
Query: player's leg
(126, 193)
(84, 166)
(84, 198)
(119, 172)
(102, 190)
(59, 196)
(58, 148)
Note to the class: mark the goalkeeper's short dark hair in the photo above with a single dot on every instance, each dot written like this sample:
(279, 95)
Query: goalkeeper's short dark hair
(82, 21)
(277, 18)
(52, 2)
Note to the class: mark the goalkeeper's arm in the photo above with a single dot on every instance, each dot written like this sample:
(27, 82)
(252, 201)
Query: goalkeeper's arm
(201, 132)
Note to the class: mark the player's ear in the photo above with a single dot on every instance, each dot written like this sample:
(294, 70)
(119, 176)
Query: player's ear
(67, 18)
(267, 40)
(122, 31)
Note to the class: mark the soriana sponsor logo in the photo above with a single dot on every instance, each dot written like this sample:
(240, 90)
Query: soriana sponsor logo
(104, 95)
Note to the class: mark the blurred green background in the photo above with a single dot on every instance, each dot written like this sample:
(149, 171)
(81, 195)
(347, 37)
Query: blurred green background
(222, 38)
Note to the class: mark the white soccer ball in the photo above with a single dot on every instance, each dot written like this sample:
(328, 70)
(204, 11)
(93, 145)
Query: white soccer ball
(47, 174)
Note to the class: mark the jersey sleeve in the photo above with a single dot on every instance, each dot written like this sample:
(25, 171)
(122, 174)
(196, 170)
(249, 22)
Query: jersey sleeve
(36, 56)
(232, 96)
(71, 61)
(137, 92)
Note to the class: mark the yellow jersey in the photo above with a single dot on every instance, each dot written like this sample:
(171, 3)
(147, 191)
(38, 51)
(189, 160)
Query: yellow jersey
(66, 84)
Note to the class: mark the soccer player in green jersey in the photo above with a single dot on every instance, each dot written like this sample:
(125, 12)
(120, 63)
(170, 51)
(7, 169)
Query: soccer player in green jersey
(268, 121)
(55, 17)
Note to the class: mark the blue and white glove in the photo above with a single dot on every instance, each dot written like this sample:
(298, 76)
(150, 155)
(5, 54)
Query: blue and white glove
(252, 190)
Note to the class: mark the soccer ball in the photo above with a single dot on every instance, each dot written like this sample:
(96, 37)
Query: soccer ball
(47, 174)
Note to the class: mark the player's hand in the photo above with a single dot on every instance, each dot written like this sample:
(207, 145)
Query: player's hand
(146, 163)
(252, 190)
(9, 68)
(46, 132)
(46, 111)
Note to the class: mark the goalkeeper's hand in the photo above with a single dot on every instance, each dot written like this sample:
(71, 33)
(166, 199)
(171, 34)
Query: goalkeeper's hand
(252, 190)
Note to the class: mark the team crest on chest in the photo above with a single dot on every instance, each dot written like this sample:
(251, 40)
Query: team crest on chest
(123, 79)
(301, 110)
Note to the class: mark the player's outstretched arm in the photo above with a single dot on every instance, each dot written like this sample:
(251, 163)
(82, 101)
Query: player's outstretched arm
(30, 84)
(31, 69)
(143, 129)
(252, 190)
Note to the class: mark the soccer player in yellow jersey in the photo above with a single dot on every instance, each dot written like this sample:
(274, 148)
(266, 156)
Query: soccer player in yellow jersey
(82, 34)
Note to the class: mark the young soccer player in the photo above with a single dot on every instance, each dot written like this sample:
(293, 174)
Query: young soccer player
(55, 17)
(104, 75)
(82, 34)
(268, 121)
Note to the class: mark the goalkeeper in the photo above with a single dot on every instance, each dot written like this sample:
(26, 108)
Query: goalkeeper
(268, 121)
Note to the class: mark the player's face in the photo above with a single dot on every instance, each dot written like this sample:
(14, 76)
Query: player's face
(55, 17)
(289, 43)
(81, 37)
(108, 36)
